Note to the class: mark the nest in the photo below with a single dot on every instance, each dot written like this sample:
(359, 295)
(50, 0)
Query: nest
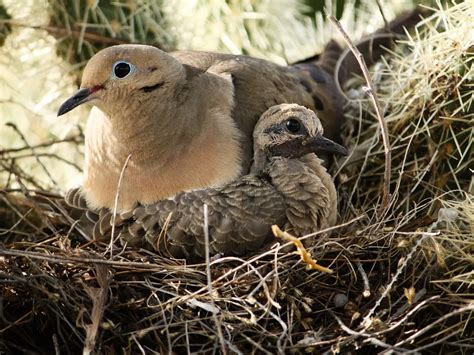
(402, 277)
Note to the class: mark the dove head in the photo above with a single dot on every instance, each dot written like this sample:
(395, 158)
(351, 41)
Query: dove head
(117, 76)
(292, 131)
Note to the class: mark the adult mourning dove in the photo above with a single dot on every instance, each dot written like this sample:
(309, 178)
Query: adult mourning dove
(186, 118)
(288, 186)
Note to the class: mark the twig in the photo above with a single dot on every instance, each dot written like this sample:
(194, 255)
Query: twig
(373, 96)
(368, 337)
(63, 32)
(403, 320)
(114, 216)
(283, 325)
(257, 344)
(249, 262)
(366, 292)
(81, 260)
(23, 138)
(330, 229)
(56, 344)
(140, 347)
(99, 300)
(379, 5)
(16, 172)
(72, 139)
(467, 308)
(367, 319)
(21, 215)
(209, 281)
(48, 155)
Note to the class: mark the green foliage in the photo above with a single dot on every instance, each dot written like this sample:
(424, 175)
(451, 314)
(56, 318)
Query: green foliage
(5, 28)
(86, 26)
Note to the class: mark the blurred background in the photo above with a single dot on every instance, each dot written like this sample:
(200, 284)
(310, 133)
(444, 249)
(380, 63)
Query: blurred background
(44, 44)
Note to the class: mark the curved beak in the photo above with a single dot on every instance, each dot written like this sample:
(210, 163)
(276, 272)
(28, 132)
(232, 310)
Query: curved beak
(320, 144)
(80, 97)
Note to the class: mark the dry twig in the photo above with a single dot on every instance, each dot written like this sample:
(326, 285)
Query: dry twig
(378, 110)
(117, 195)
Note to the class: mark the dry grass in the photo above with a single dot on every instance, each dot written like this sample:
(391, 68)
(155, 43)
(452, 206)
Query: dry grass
(402, 279)
(391, 290)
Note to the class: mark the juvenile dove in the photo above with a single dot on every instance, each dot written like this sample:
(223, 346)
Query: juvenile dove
(186, 118)
(288, 186)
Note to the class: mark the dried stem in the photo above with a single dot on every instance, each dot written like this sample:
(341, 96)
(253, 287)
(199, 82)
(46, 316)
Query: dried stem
(209, 282)
(99, 298)
(117, 194)
(60, 32)
(373, 96)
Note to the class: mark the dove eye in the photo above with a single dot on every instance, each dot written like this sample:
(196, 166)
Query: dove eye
(122, 69)
(293, 125)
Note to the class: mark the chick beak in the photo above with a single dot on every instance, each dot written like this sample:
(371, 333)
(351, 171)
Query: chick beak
(320, 144)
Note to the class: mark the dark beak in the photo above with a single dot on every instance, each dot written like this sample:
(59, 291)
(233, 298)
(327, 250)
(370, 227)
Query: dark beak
(80, 97)
(299, 147)
(320, 144)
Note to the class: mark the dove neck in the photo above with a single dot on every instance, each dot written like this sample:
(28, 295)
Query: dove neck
(173, 148)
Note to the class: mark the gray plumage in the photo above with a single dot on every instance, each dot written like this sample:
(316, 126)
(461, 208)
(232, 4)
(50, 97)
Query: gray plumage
(288, 187)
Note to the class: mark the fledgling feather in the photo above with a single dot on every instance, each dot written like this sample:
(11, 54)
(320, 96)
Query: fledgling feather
(288, 186)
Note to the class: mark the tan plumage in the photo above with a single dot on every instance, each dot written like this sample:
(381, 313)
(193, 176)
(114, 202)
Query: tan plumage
(288, 187)
(186, 118)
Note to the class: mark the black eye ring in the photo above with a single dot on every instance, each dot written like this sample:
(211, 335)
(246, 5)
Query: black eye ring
(122, 69)
(293, 125)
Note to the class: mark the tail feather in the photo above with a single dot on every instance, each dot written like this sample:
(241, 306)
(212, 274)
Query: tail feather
(373, 46)
(323, 75)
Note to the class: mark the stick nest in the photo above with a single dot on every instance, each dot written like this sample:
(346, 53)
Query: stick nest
(402, 277)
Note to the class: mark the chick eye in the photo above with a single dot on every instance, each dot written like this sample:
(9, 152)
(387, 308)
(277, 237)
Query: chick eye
(293, 125)
(122, 69)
